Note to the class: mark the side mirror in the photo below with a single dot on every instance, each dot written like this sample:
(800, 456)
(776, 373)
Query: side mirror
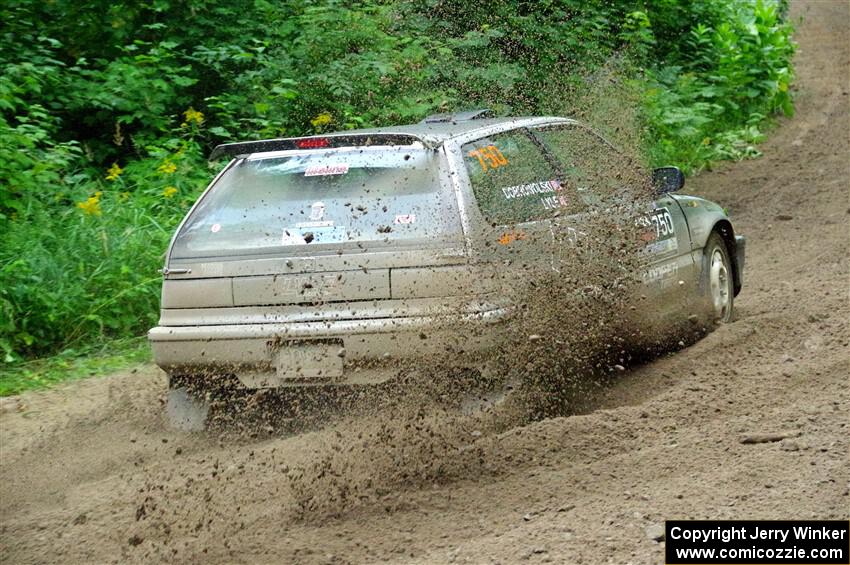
(667, 179)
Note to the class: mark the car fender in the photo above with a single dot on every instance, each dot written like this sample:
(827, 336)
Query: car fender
(705, 217)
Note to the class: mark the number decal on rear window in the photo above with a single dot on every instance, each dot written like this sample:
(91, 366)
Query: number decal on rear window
(489, 157)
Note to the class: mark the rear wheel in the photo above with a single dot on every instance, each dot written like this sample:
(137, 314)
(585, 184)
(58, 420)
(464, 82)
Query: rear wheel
(718, 281)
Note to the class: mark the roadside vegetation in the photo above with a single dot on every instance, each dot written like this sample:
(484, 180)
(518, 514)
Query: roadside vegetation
(109, 109)
(69, 364)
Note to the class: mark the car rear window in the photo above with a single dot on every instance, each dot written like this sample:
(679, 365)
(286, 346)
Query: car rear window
(295, 203)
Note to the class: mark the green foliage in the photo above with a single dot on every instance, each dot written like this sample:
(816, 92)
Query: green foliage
(71, 364)
(107, 110)
(139, 88)
(730, 74)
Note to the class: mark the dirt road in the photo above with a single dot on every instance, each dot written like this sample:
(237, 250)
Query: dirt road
(90, 474)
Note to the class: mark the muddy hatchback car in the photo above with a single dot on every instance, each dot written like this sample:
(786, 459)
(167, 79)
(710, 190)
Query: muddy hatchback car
(326, 260)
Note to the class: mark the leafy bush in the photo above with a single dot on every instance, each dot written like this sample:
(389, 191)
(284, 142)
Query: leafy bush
(107, 111)
(85, 266)
(733, 72)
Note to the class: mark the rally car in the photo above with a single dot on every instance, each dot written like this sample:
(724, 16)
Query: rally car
(322, 260)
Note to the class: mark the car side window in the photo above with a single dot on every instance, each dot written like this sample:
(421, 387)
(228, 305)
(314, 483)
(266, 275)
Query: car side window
(511, 178)
(589, 166)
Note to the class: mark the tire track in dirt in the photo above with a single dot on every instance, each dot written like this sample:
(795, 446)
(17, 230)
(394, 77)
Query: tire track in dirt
(88, 472)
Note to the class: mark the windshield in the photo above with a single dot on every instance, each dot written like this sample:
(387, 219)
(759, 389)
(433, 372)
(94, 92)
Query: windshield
(328, 199)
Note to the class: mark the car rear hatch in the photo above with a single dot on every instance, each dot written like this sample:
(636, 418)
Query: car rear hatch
(320, 226)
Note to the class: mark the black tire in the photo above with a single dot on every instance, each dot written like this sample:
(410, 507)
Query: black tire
(718, 281)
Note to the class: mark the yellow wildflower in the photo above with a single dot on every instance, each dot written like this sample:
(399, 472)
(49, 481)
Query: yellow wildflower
(322, 119)
(167, 168)
(114, 172)
(124, 196)
(169, 191)
(91, 206)
(193, 117)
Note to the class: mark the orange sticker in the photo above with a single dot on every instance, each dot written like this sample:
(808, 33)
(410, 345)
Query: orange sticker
(489, 157)
(511, 236)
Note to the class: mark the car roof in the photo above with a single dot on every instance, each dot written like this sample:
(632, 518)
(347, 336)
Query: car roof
(432, 134)
(435, 133)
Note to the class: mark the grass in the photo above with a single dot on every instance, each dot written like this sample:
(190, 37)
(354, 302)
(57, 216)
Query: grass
(107, 357)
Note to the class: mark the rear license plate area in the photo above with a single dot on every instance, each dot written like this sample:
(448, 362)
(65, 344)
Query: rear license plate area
(308, 360)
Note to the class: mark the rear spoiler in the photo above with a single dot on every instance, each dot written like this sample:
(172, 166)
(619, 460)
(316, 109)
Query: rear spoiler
(465, 116)
(315, 142)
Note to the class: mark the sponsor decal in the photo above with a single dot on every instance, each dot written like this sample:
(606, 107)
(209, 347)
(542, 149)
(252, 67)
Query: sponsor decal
(663, 246)
(659, 231)
(322, 224)
(324, 170)
(531, 189)
(660, 273)
(317, 211)
(554, 202)
(550, 192)
(405, 219)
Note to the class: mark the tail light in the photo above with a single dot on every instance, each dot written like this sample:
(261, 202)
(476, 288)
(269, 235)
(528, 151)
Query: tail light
(312, 143)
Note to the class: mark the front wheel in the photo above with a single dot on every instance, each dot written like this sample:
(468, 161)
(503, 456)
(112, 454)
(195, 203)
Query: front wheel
(718, 280)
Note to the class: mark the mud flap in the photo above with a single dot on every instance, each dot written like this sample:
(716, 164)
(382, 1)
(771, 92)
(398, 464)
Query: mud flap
(740, 256)
(186, 411)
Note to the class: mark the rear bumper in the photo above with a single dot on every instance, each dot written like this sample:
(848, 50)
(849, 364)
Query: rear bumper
(372, 347)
